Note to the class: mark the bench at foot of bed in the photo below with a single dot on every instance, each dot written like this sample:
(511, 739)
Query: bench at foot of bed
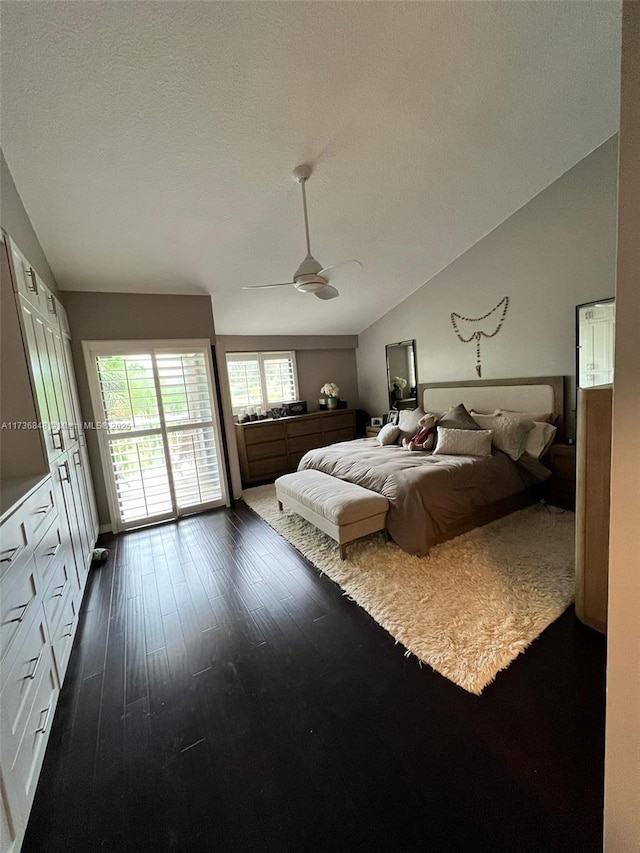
(343, 511)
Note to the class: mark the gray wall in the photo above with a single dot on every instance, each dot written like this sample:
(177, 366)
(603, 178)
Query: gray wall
(127, 316)
(16, 223)
(319, 359)
(555, 252)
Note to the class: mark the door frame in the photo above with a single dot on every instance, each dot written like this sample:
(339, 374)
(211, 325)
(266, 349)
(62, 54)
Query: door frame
(91, 349)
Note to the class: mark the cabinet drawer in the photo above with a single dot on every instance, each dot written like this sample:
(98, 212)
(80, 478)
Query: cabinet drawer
(263, 432)
(40, 510)
(266, 450)
(62, 637)
(338, 435)
(14, 539)
(340, 421)
(58, 591)
(29, 758)
(48, 549)
(21, 674)
(304, 427)
(263, 468)
(18, 593)
(305, 442)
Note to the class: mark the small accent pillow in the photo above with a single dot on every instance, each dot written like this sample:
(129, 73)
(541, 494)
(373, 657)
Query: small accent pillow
(409, 422)
(458, 418)
(509, 434)
(388, 434)
(536, 417)
(463, 442)
(540, 440)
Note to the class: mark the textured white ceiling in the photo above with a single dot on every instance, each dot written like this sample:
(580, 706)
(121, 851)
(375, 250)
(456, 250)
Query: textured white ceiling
(152, 143)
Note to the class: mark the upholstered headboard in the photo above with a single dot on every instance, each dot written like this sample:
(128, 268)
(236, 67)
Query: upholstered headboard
(531, 394)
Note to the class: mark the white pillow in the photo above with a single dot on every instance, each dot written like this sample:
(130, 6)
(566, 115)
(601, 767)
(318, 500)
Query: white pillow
(408, 421)
(388, 434)
(509, 434)
(463, 442)
(540, 439)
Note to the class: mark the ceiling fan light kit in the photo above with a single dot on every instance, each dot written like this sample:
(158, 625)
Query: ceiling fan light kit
(310, 277)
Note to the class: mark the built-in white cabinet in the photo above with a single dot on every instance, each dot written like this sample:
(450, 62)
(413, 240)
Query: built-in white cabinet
(48, 528)
(596, 339)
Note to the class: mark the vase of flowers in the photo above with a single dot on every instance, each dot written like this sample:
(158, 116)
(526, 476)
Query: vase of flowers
(332, 392)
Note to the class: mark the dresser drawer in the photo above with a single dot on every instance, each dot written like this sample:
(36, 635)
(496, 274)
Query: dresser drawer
(302, 443)
(304, 427)
(340, 421)
(21, 674)
(266, 450)
(21, 530)
(18, 594)
(338, 435)
(58, 592)
(47, 551)
(14, 540)
(263, 432)
(62, 636)
(264, 468)
(28, 761)
(40, 510)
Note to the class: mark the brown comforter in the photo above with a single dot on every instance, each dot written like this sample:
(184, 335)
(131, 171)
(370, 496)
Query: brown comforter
(427, 494)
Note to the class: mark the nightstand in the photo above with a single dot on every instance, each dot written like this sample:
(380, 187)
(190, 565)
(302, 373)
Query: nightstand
(372, 431)
(562, 461)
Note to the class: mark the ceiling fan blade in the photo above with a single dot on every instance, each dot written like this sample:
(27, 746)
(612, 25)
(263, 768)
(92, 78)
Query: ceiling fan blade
(327, 292)
(260, 286)
(341, 271)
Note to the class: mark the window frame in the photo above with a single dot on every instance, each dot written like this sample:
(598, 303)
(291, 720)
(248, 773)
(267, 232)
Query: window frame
(261, 357)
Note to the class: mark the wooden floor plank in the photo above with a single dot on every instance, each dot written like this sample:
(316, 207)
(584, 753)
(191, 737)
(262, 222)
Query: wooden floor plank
(222, 694)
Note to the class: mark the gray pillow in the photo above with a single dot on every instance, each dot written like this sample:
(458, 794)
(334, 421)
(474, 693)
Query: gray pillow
(388, 434)
(458, 418)
(509, 434)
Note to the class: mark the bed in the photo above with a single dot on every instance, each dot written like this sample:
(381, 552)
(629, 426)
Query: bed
(433, 498)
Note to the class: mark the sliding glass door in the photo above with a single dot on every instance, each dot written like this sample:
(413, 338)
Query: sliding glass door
(158, 428)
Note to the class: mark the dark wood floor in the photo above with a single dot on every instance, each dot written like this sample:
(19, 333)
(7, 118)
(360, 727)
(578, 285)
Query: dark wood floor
(222, 696)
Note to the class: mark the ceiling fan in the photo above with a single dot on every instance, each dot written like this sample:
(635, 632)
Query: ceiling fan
(310, 277)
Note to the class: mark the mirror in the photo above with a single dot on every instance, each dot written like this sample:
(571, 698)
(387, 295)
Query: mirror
(595, 335)
(402, 379)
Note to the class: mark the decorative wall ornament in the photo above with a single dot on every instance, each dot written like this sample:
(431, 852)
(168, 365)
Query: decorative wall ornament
(470, 334)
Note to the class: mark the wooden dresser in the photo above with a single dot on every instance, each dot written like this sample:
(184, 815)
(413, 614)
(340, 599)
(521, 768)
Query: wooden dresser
(592, 505)
(269, 448)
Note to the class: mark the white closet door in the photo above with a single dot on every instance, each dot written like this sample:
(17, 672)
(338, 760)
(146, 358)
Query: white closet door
(161, 448)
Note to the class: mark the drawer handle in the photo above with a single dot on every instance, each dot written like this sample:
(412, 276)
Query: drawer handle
(11, 552)
(37, 660)
(61, 588)
(69, 633)
(53, 551)
(52, 306)
(57, 433)
(43, 727)
(65, 466)
(41, 509)
(24, 608)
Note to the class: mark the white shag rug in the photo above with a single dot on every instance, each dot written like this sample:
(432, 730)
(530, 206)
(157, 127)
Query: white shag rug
(470, 607)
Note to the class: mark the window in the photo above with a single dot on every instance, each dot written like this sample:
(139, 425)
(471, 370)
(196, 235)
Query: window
(160, 445)
(261, 379)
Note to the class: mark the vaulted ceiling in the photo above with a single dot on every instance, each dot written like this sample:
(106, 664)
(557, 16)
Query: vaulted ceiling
(153, 143)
